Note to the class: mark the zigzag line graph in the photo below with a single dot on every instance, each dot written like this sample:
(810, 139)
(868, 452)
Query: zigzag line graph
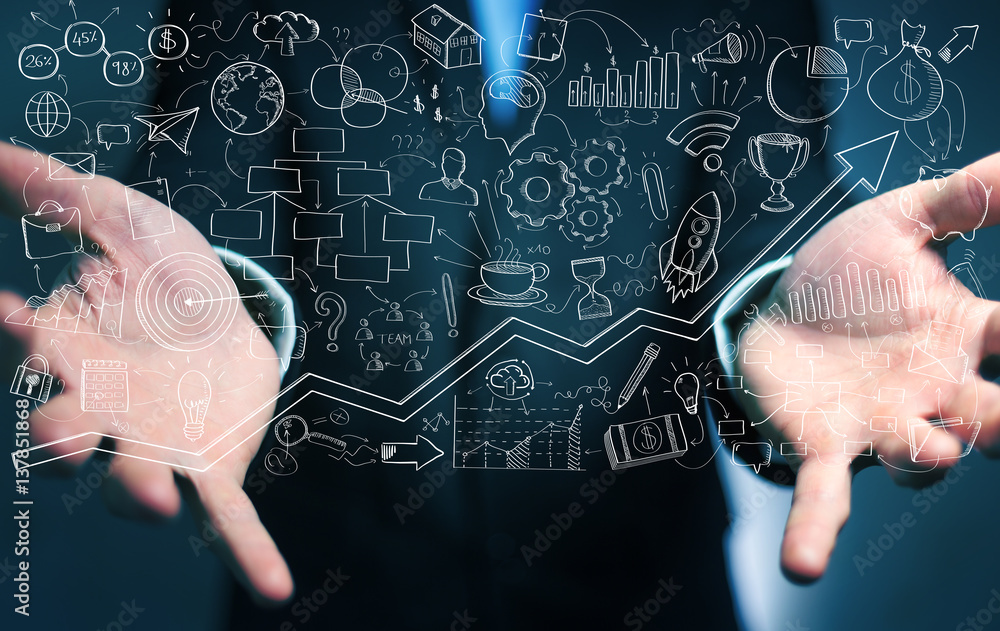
(871, 155)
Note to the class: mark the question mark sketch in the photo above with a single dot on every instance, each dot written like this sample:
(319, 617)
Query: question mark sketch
(323, 310)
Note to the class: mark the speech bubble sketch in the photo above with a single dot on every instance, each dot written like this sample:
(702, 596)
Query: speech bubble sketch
(849, 31)
(765, 449)
(108, 134)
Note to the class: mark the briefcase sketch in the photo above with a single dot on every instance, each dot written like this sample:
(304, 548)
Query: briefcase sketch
(52, 231)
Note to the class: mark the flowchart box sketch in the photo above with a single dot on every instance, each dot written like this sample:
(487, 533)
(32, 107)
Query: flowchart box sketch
(318, 140)
(357, 182)
(265, 180)
(243, 224)
(318, 226)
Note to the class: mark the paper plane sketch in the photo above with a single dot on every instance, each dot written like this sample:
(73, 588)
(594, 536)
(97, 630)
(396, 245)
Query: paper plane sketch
(174, 127)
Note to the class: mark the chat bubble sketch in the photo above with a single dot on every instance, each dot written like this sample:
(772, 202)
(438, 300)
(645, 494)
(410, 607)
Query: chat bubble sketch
(108, 134)
(764, 448)
(850, 31)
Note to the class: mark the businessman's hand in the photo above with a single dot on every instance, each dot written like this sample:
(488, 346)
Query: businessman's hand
(879, 343)
(187, 342)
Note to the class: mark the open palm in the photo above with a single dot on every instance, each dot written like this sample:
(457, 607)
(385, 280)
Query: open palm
(870, 349)
(153, 348)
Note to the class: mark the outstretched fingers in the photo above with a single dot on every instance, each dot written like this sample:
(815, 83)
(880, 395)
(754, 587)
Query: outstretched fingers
(820, 506)
(237, 536)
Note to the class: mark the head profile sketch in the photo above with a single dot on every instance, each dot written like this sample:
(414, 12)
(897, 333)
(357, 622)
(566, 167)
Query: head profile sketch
(450, 189)
(512, 103)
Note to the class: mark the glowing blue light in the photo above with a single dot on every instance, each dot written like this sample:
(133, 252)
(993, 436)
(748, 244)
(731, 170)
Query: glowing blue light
(500, 25)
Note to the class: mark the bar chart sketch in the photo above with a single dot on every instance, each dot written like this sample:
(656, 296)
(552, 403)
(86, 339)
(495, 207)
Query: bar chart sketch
(654, 85)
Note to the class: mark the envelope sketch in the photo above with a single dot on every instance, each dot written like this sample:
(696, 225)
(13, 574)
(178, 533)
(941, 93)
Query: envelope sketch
(72, 166)
(941, 356)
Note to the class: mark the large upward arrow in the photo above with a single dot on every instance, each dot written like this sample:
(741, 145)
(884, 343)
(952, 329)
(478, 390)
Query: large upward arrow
(965, 38)
(864, 164)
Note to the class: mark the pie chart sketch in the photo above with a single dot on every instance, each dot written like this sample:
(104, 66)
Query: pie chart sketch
(808, 70)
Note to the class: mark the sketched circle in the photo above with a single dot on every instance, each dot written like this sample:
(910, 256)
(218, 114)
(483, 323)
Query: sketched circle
(363, 108)
(186, 302)
(291, 430)
(380, 68)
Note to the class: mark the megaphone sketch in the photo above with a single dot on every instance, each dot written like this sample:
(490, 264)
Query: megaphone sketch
(728, 50)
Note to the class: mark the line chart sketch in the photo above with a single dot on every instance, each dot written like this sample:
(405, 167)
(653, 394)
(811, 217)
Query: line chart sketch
(507, 438)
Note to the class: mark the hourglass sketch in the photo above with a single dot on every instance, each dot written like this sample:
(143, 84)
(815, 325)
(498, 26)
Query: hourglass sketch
(588, 272)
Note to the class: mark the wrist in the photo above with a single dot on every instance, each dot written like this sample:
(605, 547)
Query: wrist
(274, 313)
(732, 324)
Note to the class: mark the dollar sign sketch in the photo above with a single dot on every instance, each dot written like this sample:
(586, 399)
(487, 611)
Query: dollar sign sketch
(437, 114)
(418, 107)
(167, 42)
(911, 87)
(648, 439)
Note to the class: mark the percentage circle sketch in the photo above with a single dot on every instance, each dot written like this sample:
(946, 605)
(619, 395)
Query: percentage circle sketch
(186, 302)
(291, 430)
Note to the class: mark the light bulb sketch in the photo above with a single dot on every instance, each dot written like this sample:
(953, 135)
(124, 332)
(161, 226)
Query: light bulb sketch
(686, 387)
(195, 394)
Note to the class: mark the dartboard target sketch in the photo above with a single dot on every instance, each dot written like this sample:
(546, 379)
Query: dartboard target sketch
(186, 302)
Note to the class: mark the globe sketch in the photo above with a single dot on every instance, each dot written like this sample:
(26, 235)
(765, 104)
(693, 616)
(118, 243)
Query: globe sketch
(47, 114)
(247, 98)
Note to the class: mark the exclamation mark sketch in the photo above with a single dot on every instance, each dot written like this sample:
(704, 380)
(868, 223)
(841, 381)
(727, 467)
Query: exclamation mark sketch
(448, 295)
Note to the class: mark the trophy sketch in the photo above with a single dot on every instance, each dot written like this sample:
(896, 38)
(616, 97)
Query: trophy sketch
(778, 156)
